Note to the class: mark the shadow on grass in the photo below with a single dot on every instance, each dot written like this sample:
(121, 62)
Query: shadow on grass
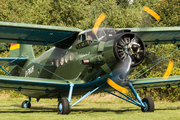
(83, 110)
(169, 108)
(101, 110)
(75, 110)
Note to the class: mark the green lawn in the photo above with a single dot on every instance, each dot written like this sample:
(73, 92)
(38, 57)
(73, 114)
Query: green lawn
(47, 109)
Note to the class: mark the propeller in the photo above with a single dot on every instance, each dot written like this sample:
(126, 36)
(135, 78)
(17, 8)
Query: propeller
(129, 51)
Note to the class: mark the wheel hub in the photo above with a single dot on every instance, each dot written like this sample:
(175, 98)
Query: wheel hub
(60, 107)
(146, 106)
(25, 105)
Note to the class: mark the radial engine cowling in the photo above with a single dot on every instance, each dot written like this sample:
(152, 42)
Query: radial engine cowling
(128, 43)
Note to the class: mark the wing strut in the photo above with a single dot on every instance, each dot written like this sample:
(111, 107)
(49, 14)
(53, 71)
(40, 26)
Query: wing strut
(5, 71)
(70, 92)
(128, 99)
(146, 104)
(87, 94)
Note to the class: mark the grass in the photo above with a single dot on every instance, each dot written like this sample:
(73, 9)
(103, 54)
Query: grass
(10, 108)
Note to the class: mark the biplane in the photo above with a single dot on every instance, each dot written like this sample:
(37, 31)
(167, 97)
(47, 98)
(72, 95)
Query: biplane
(80, 62)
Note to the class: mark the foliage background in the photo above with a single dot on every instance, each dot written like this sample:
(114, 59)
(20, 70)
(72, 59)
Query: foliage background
(83, 13)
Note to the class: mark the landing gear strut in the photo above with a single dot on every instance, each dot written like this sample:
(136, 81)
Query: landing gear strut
(63, 105)
(147, 104)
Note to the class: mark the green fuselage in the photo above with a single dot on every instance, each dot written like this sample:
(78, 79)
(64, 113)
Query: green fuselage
(58, 63)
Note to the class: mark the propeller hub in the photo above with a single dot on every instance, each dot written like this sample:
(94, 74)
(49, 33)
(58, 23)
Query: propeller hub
(135, 48)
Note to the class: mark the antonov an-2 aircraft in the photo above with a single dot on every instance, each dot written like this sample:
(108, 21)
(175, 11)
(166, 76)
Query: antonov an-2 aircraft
(80, 62)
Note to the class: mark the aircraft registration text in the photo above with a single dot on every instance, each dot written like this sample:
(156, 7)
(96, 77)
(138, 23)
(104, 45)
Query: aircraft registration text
(29, 71)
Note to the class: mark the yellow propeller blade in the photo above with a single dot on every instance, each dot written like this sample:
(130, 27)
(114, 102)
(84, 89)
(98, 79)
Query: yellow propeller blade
(116, 86)
(151, 12)
(168, 71)
(98, 22)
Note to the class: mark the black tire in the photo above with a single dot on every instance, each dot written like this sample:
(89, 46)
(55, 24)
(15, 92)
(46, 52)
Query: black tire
(63, 106)
(23, 104)
(149, 105)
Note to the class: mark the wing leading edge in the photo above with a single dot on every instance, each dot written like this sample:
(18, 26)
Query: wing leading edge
(37, 34)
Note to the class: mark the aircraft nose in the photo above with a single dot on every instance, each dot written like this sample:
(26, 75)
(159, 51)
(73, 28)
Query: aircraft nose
(129, 44)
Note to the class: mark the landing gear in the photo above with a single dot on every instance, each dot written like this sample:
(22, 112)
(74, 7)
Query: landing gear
(63, 106)
(149, 105)
(26, 104)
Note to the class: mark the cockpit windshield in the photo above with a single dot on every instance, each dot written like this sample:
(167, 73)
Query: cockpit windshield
(100, 34)
(109, 32)
(91, 36)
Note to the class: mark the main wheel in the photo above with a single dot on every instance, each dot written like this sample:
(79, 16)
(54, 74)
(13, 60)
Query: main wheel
(63, 106)
(149, 105)
(24, 105)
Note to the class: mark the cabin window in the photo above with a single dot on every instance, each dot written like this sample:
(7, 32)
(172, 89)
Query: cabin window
(62, 61)
(91, 36)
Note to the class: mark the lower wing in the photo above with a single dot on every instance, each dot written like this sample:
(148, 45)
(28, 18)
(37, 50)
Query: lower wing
(45, 88)
(156, 82)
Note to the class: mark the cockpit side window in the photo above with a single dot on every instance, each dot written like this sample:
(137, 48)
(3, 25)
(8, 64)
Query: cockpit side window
(83, 37)
(91, 36)
(79, 38)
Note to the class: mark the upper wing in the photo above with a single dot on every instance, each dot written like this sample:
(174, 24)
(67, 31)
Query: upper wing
(37, 34)
(158, 34)
(156, 82)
